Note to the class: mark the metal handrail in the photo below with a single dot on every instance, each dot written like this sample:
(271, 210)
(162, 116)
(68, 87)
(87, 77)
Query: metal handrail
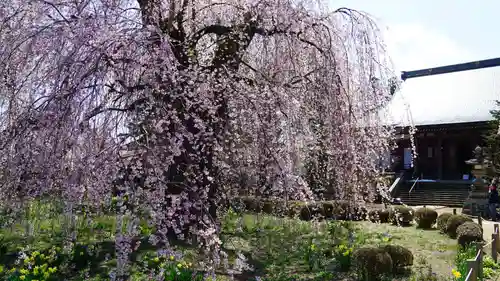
(468, 275)
(396, 182)
(413, 186)
(478, 254)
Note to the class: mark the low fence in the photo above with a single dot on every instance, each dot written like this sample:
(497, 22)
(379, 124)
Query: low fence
(475, 265)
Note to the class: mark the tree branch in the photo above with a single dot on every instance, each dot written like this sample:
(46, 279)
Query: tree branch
(251, 29)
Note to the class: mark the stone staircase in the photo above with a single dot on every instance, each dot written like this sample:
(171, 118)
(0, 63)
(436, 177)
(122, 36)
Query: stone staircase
(434, 193)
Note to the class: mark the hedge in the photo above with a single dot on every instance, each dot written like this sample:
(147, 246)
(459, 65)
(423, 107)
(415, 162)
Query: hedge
(339, 209)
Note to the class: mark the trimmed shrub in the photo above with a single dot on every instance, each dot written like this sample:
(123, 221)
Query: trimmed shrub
(381, 216)
(339, 210)
(425, 217)
(280, 207)
(246, 201)
(371, 263)
(327, 209)
(253, 204)
(401, 215)
(343, 210)
(238, 205)
(359, 214)
(310, 211)
(469, 232)
(268, 206)
(401, 256)
(442, 221)
(454, 222)
(294, 208)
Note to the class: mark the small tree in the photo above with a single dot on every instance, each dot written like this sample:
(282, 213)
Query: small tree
(492, 140)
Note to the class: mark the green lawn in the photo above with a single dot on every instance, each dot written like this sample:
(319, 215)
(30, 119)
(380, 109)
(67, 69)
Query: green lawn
(275, 248)
(272, 246)
(429, 247)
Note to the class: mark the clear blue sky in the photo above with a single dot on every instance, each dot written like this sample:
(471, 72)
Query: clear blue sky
(427, 33)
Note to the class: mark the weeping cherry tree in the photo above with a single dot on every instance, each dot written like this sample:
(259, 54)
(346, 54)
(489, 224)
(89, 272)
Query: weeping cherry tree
(167, 104)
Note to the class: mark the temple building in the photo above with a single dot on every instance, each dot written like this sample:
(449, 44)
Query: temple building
(441, 150)
(450, 114)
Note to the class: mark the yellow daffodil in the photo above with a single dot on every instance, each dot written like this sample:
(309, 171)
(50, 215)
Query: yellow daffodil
(456, 273)
(22, 277)
(172, 258)
(156, 259)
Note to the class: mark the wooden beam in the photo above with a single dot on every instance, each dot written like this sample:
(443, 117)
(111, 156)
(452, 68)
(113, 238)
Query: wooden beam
(450, 68)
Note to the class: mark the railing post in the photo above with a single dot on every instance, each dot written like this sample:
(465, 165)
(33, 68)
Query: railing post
(454, 211)
(479, 251)
(472, 266)
(494, 252)
(495, 230)
(480, 220)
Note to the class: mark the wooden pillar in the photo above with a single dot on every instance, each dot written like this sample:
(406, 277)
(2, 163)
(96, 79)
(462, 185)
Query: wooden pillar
(497, 230)
(479, 251)
(494, 244)
(439, 155)
(472, 267)
(452, 161)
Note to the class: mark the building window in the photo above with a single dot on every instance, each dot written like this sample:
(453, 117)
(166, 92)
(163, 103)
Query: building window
(430, 152)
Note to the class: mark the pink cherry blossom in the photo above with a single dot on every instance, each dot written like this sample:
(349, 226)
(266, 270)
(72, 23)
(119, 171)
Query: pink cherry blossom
(176, 106)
